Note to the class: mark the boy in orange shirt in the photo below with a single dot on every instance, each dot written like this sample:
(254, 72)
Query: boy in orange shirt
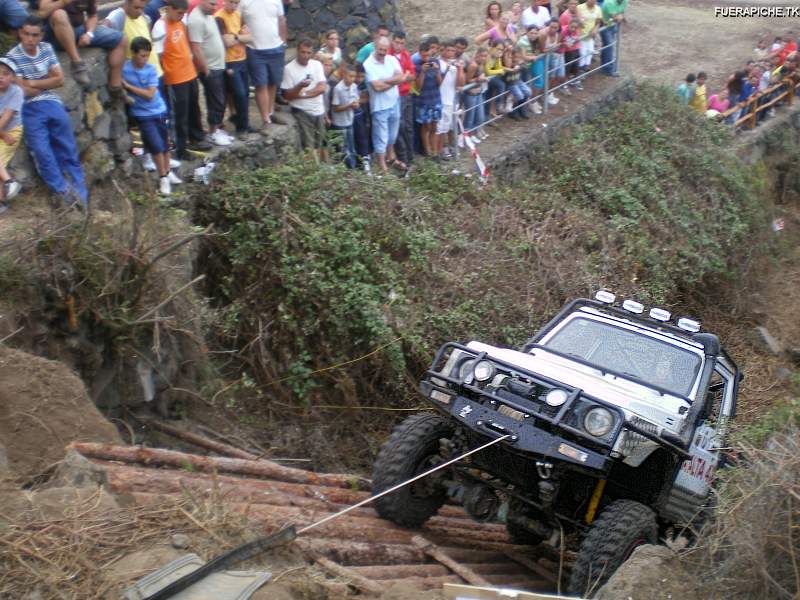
(238, 82)
(171, 42)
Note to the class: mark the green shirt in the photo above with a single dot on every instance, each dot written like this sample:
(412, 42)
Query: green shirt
(365, 51)
(611, 8)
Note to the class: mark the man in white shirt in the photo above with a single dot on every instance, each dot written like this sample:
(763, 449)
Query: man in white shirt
(535, 15)
(303, 86)
(452, 70)
(265, 53)
(383, 75)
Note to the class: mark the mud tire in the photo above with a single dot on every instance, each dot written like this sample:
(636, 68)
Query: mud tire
(621, 527)
(408, 451)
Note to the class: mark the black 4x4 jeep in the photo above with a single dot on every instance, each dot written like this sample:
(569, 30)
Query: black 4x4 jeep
(616, 417)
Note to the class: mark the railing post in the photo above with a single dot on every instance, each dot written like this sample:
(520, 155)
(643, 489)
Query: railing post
(546, 87)
(617, 47)
(454, 125)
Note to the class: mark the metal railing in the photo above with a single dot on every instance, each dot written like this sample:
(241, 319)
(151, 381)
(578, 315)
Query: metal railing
(746, 112)
(545, 77)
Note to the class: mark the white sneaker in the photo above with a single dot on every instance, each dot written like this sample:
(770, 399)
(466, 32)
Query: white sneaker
(552, 100)
(509, 104)
(482, 133)
(174, 163)
(12, 188)
(219, 138)
(537, 108)
(228, 135)
(164, 187)
(174, 178)
(566, 91)
(147, 162)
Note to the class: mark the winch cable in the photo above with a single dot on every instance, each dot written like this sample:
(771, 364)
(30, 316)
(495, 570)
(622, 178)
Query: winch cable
(400, 485)
(289, 533)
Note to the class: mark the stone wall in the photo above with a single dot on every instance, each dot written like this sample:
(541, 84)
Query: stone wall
(353, 19)
(519, 159)
(101, 130)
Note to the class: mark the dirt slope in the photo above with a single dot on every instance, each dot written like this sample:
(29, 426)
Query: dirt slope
(43, 407)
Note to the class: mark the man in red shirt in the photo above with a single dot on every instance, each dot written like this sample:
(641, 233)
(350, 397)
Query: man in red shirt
(404, 147)
(789, 46)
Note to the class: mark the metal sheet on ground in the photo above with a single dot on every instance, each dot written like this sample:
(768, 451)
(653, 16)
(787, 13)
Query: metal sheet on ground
(469, 592)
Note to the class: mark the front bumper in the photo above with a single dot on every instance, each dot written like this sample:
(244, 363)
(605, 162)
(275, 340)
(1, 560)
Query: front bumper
(526, 438)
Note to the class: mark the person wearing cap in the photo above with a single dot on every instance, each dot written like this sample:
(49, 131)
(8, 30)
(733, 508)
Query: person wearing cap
(46, 125)
(11, 100)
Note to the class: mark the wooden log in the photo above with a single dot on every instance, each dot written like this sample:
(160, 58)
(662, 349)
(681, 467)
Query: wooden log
(421, 583)
(467, 574)
(534, 566)
(401, 571)
(360, 582)
(200, 441)
(348, 552)
(209, 464)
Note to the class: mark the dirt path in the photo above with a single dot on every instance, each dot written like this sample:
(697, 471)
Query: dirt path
(662, 40)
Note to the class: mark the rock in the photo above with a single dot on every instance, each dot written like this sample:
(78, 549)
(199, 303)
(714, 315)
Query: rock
(97, 162)
(78, 471)
(299, 19)
(101, 127)
(770, 342)
(180, 541)
(651, 573)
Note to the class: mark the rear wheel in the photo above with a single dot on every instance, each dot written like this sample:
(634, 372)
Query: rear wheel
(623, 526)
(412, 448)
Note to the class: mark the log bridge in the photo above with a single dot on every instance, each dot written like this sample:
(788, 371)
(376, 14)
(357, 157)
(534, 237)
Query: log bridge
(368, 552)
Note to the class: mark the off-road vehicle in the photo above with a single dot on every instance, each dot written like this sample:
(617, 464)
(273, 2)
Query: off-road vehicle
(616, 417)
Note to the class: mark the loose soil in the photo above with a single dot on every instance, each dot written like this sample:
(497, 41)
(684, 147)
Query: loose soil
(43, 407)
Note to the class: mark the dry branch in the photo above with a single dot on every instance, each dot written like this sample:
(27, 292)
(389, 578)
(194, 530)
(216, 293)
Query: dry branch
(467, 574)
(200, 441)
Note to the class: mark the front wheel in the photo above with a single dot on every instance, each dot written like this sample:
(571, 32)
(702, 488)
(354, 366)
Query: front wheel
(412, 448)
(623, 526)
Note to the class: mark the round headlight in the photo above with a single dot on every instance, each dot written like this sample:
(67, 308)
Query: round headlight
(598, 422)
(484, 371)
(465, 371)
(556, 397)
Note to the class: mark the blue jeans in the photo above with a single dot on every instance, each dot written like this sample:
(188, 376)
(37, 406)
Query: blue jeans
(497, 88)
(12, 14)
(385, 125)
(361, 132)
(608, 55)
(239, 87)
(48, 135)
(474, 112)
(520, 91)
(104, 37)
(349, 148)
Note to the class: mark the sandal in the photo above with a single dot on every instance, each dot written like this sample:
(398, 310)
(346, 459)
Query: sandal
(399, 164)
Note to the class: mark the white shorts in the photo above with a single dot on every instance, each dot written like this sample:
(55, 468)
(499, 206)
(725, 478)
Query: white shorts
(445, 123)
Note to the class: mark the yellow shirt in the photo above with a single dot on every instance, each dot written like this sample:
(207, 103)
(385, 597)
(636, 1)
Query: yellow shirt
(140, 27)
(588, 18)
(493, 66)
(699, 102)
(233, 25)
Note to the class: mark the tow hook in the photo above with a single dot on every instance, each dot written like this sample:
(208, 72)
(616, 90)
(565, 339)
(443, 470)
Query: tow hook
(544, 469)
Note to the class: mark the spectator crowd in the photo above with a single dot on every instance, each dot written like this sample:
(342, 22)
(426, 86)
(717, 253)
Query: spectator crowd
(771, 70)
(384, 107)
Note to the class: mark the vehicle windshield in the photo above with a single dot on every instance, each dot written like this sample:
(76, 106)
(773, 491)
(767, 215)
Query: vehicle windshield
(632, 354)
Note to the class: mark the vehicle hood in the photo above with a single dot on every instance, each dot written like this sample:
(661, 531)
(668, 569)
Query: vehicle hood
(631, 397)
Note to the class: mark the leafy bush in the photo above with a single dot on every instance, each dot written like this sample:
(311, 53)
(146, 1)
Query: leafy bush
(314, 268)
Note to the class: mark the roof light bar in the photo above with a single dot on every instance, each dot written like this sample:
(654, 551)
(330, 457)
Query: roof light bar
(605, 297)
(688, 324)
(633, 307)
(659, 314)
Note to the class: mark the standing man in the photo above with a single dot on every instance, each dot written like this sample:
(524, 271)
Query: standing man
(613, 14)
(367, 49)
(265, 52)
(535, 15)
(383, 75)
(132, 22)
(208, 51)
(72, 24)
(238, 83)
(303, 86)
(46, 126)
(171, 43)
(405, 134)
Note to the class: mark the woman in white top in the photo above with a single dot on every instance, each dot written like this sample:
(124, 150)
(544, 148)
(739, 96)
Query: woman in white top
(331, 48)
